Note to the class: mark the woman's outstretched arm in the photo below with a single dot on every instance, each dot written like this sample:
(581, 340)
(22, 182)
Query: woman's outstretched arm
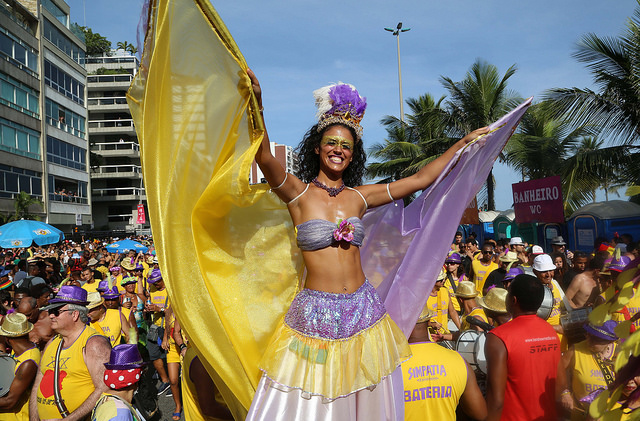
(286, 186)
(381, 194)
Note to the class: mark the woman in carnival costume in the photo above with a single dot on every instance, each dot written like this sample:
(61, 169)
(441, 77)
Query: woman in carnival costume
(333, 355)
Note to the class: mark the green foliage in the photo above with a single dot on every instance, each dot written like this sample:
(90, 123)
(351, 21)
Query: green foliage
(105, 71)
(22, 202)
(124, 45)
(97, 45)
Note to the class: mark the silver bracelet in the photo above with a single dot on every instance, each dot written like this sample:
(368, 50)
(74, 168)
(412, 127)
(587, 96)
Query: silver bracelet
(286, 174)
(391, 197)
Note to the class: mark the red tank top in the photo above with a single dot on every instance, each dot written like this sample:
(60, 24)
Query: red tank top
(533, 353)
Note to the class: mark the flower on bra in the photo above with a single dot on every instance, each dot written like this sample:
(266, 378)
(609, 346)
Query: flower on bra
(344, 232)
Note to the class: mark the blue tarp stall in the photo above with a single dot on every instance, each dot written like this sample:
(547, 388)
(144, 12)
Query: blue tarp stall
(602, 219)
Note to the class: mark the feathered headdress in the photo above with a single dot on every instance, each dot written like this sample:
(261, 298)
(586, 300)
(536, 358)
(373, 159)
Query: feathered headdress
(340, 103)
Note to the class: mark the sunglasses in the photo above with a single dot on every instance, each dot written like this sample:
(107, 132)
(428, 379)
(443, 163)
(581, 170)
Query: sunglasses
(56, 311)
(487, 252)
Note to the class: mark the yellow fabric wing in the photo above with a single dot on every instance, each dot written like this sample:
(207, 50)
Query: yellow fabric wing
(226, 249)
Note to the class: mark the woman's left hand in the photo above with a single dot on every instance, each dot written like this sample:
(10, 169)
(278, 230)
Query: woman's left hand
(474, 135)
(255, 85)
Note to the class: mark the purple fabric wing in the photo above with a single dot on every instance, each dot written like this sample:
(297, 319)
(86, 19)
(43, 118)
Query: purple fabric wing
(404, 249)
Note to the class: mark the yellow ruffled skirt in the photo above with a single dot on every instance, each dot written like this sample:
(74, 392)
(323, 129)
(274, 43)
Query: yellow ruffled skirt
(333, 345)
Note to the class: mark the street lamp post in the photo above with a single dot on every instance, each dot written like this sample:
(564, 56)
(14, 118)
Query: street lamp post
(396, 32)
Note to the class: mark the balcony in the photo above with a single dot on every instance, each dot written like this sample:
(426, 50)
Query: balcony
(65, 127)
(118, 193)
(112, 60)
(113, 82)
(57, 197)
(108, 104)
(110, 149)
(121, 126)
(117, 171)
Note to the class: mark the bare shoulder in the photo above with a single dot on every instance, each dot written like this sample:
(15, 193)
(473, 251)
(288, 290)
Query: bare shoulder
(97, 346)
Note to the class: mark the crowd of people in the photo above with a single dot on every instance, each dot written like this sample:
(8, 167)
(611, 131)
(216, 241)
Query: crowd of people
(535, 354)
(82, 325)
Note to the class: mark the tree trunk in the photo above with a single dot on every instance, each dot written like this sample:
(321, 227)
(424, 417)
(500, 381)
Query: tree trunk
(491, 200)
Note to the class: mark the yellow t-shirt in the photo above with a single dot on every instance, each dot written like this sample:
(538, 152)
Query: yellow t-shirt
(554, 319)
(478, 311)
(480, 273)
(439, 304)
(75, 380)
(22, 406)
(586, 376)
(110, 326)
(90, 287)
(452, 297)
(434, 380)
(161, 299)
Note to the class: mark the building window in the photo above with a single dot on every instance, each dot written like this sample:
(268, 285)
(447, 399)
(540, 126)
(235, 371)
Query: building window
(66, 154)
(64, 119)
(63, 83)
(18, 96)
(19, 140)
(63, 42)
(62, 17)
(14, 180)
(18, 53)
(63, 190)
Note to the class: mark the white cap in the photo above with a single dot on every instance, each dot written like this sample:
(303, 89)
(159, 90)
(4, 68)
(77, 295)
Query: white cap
(537, 250)
(516, 241)
(543, 263)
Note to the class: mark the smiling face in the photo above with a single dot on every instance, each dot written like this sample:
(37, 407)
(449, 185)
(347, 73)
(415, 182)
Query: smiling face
(336, 149)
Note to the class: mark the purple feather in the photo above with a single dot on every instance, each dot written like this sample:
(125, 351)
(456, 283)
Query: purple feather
(346, 98)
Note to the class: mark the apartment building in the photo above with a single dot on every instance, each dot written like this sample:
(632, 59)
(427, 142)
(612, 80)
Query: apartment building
(285, 156)
(117, 186)
(43, 139)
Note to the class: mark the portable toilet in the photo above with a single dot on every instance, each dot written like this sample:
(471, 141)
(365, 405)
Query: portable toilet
(485, 229)
(504, 225)
(602, 219)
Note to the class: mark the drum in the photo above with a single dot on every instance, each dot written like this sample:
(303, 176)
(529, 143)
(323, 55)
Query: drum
(546, 307)
(452, 326)
(478, 353)
(7, 368)
(573, 324)
(466, 346)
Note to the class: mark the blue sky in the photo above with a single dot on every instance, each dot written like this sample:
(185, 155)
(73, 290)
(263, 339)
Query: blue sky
(298, 46)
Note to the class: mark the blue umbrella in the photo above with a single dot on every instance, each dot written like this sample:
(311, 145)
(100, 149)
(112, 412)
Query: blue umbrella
(25, 232)
(124, 246)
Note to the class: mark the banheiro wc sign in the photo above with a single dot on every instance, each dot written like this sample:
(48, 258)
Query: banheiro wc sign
(538, 200)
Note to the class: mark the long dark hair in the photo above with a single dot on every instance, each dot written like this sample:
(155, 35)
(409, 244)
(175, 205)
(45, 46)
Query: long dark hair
(309, 164)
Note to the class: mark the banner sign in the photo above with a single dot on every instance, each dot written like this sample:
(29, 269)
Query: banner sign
(141, 217)
(470, 215)
(538, 200)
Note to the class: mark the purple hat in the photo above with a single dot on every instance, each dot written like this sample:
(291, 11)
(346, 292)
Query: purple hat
(114, 269)
(69, 294)
(154, 276)
(513, 272)
(453, 258)
(618, 265)
(139, 267)
(111, 294)
(103, 286)
(124, 357)
(606, 331)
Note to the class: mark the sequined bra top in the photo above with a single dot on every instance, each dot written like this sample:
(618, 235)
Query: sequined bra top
(316, 234)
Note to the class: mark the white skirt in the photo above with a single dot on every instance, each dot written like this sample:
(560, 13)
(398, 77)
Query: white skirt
(383, 402)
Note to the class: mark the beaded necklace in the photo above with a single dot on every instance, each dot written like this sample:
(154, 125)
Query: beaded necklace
(333, 191)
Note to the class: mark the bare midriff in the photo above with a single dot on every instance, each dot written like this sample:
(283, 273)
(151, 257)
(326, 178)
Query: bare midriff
(334, 269)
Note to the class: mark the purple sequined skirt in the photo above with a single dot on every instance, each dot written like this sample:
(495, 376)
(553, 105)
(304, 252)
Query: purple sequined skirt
(320, 314)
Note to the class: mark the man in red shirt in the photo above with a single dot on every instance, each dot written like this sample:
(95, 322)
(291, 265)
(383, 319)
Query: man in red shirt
(523, 359)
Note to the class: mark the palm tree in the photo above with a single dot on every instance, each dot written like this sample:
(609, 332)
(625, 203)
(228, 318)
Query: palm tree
(124, 45)
(615, 106)
(413, 144)
(545, 147)
(21, 204)
(478, 100)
